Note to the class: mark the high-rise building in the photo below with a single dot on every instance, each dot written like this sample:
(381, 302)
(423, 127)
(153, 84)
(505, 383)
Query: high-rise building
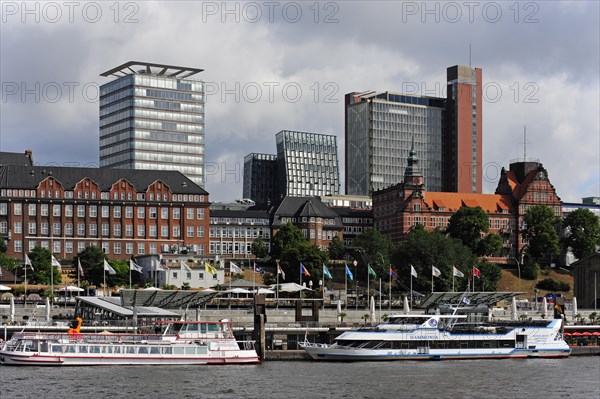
(152, 118)
(463, 134)
(307, 164)
(380, 127)
(260, 178)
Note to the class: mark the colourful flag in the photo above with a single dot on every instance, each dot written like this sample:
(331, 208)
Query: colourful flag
(435, 271)
(476, 272)
(303, 270)
(28, 262)
(349, 273)
(457, 272)
(56, 263)
(467, 300)
(132, 266)
(210, 269)
(109, 268)
(326, 272)
(392, 272)
(280, 271)
(413, 272)
(79, 266)
(233, 268)
(371, 271)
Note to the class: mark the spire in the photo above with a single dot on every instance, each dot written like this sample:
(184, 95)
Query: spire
(412, 170)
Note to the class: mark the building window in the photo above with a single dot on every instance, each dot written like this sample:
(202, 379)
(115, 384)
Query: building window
(69, 247)
(32, 209)
(69, 211)
(190, 231)
(189, 213)
(128, 230)
(69, 229)
(117, 248)
(164, 231)
(129, 212)
(31, 245)
(56, 210)
(56, 229)
(153, 213)
(141, 212)
(80, 211)
(18, 228)
(129, 248)
(18, 246)
(93, 211)
(81, 229)
(117, 230)
(176, 231)
(141, 230)
(106, 247)
(153, 231)
(93, 230)
(200, 213)
(105, 229)
(80, 246)
(44, 209)
(4, 208)
(56, 246)
(152, 248)
(44, 228)
(105, 211)
(164, 213)
(141, 248)
(117, 212)
(176, 213)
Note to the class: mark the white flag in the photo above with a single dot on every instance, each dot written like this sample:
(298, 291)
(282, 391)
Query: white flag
(413, 271)
(184, 266)
(135, 267)
(56, 263)
(435, 271)
(109, 268)
(28, 262)
(457, 272)
(233, 268)
(79, 268)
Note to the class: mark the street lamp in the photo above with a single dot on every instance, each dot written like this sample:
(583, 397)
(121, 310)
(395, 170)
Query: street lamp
(519, 269)
(355, 284)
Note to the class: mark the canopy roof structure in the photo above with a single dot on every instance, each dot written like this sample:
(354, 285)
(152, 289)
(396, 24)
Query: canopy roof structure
(110, 309)
(166, 299)
(435, 299)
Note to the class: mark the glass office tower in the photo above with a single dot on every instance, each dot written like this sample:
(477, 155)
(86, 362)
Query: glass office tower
(307, 164)
(260, 178)
(152, 118)
(380, 128)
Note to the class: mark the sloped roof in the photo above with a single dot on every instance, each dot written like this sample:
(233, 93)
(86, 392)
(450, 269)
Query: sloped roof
(29, 177)
(303, 207)
(453, 201)
(15, 158)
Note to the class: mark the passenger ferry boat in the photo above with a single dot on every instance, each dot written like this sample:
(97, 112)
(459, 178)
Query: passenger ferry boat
(181, 343)
(440, 337)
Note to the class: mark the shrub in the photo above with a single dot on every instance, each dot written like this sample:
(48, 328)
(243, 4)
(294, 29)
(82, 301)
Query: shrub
(549, 284)
(530, 271)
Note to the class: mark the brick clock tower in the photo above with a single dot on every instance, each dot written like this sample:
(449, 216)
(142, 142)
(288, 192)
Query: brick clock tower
(413, 178)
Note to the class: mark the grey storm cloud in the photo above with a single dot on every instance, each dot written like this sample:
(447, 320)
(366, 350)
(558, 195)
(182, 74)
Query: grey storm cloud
(540, 62)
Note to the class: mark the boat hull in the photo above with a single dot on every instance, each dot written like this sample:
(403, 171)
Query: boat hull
(323, 352)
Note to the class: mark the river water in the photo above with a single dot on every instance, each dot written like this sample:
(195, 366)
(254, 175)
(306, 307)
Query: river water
(575, 377)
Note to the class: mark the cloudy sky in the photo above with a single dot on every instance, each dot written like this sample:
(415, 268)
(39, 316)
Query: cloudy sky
(280, 65)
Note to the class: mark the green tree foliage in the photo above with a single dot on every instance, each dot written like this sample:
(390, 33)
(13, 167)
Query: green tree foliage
(423, 250)
(372, 247)
(291, 248)
(92, 263)
(491, 273)
(490, 245)
(336, 248)
(549, 284)
(259, 248)
(3, 246)
(9, 263)
(530, 271)
(540, 230)
(582, 232)
(467, 224)
(41, 263)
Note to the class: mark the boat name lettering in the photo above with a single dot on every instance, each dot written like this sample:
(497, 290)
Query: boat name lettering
(423, 337)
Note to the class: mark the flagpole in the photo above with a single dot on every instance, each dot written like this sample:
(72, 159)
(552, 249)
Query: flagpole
(129, 276)
(368, 285)
(78, 272)
(300, 280)
(346, 286)
(104, 277)
(453, 279)
(431, 278)
(379, 298)
(411, 290)
(390, 288)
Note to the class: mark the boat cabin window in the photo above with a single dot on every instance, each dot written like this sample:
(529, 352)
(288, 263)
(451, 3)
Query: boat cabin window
(406, 320)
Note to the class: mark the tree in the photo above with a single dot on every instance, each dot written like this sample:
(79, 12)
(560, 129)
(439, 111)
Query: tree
(491, 273)
(92, 263)
(540, 223)
(373, 248)
(41, 264)
(336, 248)
(259, 248)
(467, 224)
(490, 244)
(422, 250)
(3, 246)
(582, 232)
(291, 248)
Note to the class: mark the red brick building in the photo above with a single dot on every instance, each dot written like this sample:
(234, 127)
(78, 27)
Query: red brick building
(399, 208)
(125, 212)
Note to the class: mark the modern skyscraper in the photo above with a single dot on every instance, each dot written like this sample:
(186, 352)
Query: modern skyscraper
(260, 178)
(380, 128)
(307, 164)
(463, 135)
(152, 117)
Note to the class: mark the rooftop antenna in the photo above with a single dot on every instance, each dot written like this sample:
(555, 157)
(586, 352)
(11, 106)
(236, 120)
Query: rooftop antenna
(470, 55)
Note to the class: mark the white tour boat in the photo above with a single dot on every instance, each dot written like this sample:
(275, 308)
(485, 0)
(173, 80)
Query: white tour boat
(181, 343)
(440, 337)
